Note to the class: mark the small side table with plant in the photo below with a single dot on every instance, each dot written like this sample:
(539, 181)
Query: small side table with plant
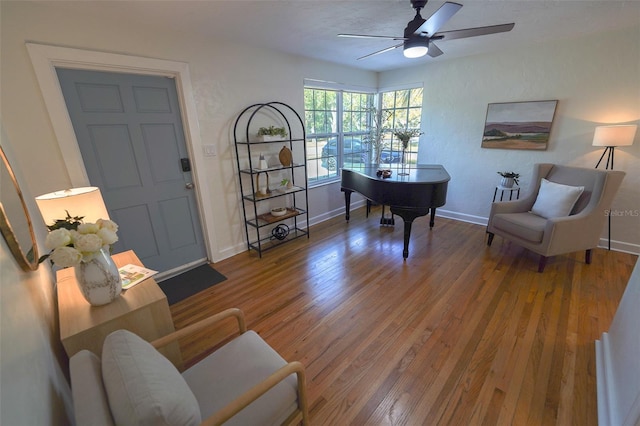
(507, 184)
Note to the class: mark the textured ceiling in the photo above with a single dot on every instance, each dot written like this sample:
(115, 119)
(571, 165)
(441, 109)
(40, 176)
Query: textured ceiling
(309, 28)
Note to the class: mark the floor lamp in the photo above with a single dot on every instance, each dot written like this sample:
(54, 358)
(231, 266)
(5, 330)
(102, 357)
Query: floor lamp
(610, 137)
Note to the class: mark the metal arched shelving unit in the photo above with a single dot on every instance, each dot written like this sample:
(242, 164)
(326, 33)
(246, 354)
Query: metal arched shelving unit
(260, 193)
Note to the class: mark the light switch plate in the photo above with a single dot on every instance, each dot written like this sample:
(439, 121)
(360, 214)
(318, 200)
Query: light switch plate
(210, 150)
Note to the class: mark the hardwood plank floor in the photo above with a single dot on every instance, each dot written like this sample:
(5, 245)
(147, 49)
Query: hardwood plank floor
(458, 334)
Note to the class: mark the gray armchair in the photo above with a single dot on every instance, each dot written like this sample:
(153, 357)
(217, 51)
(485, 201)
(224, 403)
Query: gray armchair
(551, 236)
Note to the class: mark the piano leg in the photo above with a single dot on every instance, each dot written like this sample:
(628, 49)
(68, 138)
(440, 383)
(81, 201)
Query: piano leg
(408, 216)
(432, 220)
(347, 203)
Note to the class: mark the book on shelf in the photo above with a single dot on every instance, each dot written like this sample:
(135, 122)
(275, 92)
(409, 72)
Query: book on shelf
(134, 274)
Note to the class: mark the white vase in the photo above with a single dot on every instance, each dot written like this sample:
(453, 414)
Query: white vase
(98, 279)
(507, 182)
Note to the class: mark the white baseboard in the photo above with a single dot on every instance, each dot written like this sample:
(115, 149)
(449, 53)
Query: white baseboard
(463, 217)
(620, 246)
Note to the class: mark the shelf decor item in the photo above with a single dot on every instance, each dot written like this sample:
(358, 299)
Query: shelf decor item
(271, 133)
(280, 232)
(279, 211)
(262, 162)
(285, 156)
(287, 183)
(262, 190)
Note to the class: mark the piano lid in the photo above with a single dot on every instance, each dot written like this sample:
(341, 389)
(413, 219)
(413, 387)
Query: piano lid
(419, 174)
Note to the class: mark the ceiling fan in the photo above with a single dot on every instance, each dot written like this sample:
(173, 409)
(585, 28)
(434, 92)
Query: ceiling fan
(420, 33)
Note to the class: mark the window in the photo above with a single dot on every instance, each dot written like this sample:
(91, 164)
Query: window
(402, 109)
(338, 122)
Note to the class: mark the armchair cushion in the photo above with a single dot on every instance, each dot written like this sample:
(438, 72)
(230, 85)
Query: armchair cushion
(525, 225)
(555, 199)
(143, 387)
(232, 370)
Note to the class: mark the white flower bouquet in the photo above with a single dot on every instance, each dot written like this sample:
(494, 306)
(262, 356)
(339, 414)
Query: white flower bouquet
(72, 242)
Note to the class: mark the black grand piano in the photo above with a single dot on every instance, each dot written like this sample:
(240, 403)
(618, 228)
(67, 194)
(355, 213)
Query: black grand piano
(410, 192)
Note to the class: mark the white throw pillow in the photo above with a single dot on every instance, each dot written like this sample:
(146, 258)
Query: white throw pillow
(144, 387)
(555, 199)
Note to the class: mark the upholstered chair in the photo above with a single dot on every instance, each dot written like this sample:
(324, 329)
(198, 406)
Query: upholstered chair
(244, 382)
(565, 211)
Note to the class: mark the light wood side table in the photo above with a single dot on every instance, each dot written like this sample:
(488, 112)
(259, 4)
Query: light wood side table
(142, 309)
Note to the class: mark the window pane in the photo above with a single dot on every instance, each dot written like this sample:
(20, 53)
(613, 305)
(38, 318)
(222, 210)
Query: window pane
(416, 98)
(415, 115)
(402, 99)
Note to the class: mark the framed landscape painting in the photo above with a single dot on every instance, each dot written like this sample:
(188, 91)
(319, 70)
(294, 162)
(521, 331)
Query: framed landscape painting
(519, 125)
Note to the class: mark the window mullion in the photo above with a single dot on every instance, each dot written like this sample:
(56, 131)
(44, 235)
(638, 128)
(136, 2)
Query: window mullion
(339, 127)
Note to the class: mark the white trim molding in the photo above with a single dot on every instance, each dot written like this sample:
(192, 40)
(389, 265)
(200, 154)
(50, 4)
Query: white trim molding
(46, 58)
(618, 361)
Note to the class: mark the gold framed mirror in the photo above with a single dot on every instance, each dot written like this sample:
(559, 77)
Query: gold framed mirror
(15, 222)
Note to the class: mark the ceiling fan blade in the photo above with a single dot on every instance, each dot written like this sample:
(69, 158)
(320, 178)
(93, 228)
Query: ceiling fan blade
(434, 51)
(438, 19)
(382, 51)
(371, 36)
(473, 32)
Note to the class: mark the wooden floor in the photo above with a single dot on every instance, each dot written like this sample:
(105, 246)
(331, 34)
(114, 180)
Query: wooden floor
(459, 334)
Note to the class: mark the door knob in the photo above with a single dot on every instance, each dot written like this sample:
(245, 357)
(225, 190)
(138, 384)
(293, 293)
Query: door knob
(189, 185)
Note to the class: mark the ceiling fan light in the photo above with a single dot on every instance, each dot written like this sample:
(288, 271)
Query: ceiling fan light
(415, 48)
(415, 51)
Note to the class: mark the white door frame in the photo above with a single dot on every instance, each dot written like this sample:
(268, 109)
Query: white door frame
(46, 58)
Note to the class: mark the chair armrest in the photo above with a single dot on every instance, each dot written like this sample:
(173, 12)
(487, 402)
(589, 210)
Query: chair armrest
(238, 404)
(207, 322)
(572, 233)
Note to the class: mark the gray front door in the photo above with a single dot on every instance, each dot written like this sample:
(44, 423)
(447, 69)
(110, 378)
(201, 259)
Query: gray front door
(131, 138)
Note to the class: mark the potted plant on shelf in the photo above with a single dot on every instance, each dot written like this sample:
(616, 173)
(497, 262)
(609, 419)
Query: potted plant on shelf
(508, 179)
(286, 182)
(271, 133)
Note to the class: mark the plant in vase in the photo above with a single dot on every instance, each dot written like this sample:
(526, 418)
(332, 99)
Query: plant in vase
(286, 183)
(272, 133)
(86, 247)
(509, 178)
(405, 136)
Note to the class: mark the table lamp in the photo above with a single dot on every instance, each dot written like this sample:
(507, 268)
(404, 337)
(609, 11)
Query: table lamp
(611, 137)
(85, 202)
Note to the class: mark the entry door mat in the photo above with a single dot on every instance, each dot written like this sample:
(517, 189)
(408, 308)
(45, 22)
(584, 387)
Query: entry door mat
(191, 282)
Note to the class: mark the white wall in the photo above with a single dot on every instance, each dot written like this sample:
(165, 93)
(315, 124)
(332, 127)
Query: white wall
(33, 388)
(596, 81)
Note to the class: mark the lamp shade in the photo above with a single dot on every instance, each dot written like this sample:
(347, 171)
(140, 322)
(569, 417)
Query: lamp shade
(621, 135)
(85, 202)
